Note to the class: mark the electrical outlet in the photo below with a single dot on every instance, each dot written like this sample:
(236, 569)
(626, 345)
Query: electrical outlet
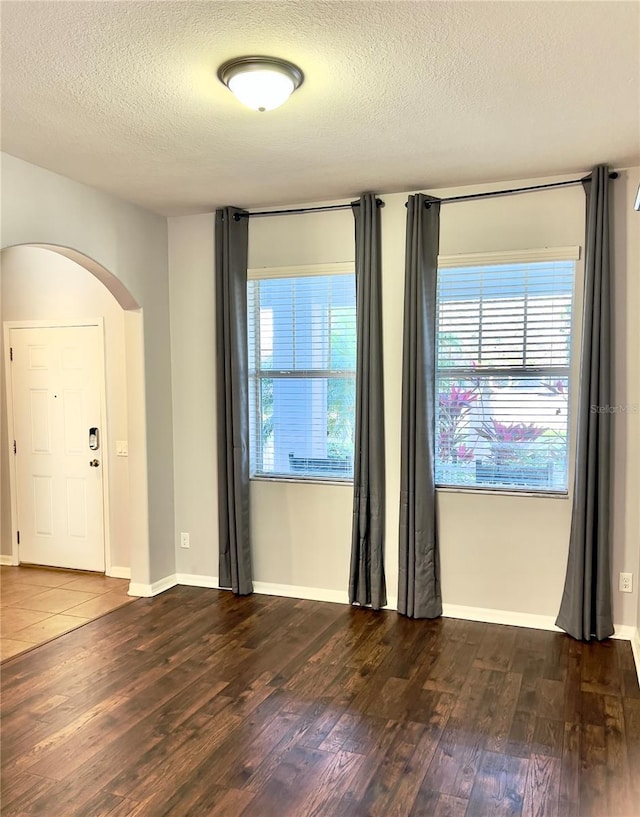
(626, 583)
(184, 540)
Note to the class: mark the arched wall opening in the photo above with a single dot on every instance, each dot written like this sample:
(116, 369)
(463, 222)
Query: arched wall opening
(26, 295)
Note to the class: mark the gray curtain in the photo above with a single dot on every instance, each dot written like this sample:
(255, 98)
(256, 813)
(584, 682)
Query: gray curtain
(585, 610)
(419, 594)
(366, 579)
(232, 400)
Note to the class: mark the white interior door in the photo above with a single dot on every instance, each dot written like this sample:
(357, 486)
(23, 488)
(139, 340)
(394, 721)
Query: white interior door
(57, 378)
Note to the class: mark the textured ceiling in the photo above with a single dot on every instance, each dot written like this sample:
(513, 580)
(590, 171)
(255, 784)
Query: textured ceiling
(397, 95)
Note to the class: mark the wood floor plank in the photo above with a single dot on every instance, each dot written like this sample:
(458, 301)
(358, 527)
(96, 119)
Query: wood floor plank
(228, 803)
(126, 808)
(412, 643)
(630, 685)
(352, 681)
(550, 699)
(619, 797)
(542, 787)
(548, 738)
(496, 649)
(350, 803)
(414, 772)
(601, 668)
(301, 724)
(20, 788)
(451, 668)
(118, 713)
(156, 767)
(145, 745)
(322, 727)
(292, 782)
(238, 758)
(197, 703)
(382, 789)
(323, 800)
(631, 707)
(68, 797)
(532, 673)
(593, 777)
(336, 737)
(572, 691)
(435, 804)
(459, 753)
(569, 799)
(520, 737)
(499, 786)
(500, 702)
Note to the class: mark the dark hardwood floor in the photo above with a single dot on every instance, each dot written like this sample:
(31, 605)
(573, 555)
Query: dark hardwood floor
(199, 704)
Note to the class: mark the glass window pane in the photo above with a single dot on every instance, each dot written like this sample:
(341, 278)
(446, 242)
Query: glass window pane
(502, 431)
(302, 338)
(503, 357)
(307, 426)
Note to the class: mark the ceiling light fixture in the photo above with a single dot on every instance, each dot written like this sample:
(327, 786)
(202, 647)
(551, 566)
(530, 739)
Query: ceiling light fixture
(260, 83)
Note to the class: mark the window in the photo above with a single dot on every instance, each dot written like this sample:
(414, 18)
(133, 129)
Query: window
(302, 361)
(503, 372)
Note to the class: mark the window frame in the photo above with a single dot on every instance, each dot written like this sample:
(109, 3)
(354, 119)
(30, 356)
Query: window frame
(565, 253)
(297, 271)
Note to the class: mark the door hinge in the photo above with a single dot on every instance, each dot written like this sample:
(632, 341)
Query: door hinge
(18, 536)
(11, 353)
(15, 447)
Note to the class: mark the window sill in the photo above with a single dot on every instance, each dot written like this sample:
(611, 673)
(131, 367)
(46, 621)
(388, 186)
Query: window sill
(459, 489)
(302, 480)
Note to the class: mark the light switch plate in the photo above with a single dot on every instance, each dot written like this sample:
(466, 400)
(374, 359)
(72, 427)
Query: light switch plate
(122, 448)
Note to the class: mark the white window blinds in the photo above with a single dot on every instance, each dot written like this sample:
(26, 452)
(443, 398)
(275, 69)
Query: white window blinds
(503, 369)
(302, 360)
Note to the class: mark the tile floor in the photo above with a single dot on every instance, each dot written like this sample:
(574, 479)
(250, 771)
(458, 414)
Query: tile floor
(38, 604)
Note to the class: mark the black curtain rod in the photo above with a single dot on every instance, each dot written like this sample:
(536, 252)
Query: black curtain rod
(323, 209)
(492, 193)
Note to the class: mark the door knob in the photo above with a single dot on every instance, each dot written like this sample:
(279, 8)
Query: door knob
(94, 463)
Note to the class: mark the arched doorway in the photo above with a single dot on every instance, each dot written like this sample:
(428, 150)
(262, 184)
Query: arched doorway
(63, 283)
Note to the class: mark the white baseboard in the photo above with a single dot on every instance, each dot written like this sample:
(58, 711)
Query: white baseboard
(119, 572)
(195, 580)
(290, 591)
(509, 617)
(114, 572)
(625, 632)
(635, 649)
(147, 590)
(293, 591)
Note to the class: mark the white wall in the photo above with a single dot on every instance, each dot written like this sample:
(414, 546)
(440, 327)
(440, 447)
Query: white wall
(44, 208)
(626, 377)
(499, 552)
(39, 284)
(194, 402)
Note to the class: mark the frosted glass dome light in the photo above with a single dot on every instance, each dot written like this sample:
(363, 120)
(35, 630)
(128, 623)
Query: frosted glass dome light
(261, 83)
